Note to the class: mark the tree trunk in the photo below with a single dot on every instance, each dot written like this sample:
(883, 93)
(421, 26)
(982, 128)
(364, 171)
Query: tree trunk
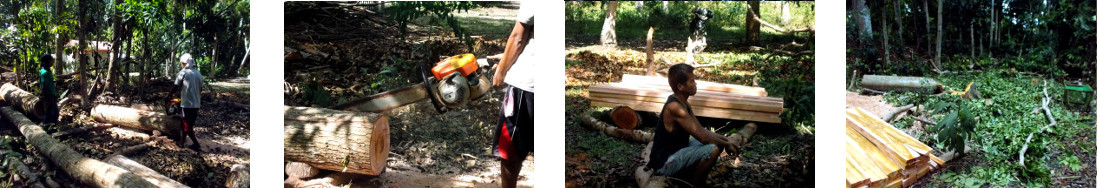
(785, 12)
(927, 24)
(146, 55)
(82, 34)
(86, 170)
(885, 36)
(145, 172)
(751, 24)
(59, 62)
(939, 44)
(214, 59)
(901, 84)
(898, 13)
(972, 47)
(649, 61)
(139, 119)
(991, 25)
(336, 140)
(607, 36)
(23, 101)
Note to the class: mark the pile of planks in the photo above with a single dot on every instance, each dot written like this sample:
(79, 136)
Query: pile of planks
(879, 155)
(716, 100)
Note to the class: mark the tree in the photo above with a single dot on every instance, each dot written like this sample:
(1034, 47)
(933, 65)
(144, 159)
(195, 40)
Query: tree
(607, 36)
(751, 25)
(939, 45)
(862, 21)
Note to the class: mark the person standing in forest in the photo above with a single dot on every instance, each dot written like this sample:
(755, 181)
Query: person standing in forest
(48, 91)
(515, 131)
(674, 152)
(189, 84)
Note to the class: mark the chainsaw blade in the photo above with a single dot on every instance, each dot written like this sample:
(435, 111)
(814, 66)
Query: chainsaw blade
(404, 96)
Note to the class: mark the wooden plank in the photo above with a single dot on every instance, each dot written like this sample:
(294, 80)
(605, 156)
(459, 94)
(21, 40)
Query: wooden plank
(857, 161)
(668, 91)
(746, 104)
(873, 155)
(899, 146)
(701, 85)
(699, 111)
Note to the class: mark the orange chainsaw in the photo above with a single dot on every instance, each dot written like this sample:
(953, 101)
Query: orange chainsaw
(449, 83)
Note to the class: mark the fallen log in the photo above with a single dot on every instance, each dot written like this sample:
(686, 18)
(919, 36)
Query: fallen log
(892, 115)
(30, 179)
(238, 176)
(22, 100)
(352, 142)
(631, 135)
(86, 170)
(901, 84)
(145, 172)
(301, 170)
(624, 117)
(97, 127)
(139, 119)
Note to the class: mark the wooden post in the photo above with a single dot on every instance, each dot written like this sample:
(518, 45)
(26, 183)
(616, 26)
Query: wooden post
(352, 142)
(86, 170)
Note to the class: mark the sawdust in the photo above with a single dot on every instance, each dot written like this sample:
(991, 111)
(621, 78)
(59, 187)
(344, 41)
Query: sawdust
(872, 103)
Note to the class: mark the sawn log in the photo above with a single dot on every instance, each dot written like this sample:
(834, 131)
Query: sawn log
(139, 119)
(352, 142)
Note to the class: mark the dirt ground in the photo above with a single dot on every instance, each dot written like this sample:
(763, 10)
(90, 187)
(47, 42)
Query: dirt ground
(427, 149)
(222, 130)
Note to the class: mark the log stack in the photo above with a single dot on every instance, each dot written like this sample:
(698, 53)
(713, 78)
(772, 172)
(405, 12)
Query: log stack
(716, 100)
(879, 155)
(353, 142)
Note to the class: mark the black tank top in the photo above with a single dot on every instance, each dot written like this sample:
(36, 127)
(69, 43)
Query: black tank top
(667, 143)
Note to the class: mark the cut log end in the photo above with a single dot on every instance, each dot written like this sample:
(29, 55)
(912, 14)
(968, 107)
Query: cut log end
(351, 142)
(625, 117)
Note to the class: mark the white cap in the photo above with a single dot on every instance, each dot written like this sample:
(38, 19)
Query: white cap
(186, 59)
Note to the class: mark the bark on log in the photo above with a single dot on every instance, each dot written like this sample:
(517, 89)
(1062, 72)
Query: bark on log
(301, 170)
(145, 172)
(238, 176)
(30, 179)
(22, 100)
(632, 135)
(625, 117)
(901, 84)
(139, 119)
(351, 142)
(86, 170)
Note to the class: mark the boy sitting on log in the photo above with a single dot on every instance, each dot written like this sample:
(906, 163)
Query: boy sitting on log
(674, 152)
(189, 84)
(48, 92)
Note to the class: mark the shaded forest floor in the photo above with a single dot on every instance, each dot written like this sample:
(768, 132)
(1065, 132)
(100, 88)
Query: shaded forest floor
(223, 128)
(1009, 110)
(775, 155)
(362, 58)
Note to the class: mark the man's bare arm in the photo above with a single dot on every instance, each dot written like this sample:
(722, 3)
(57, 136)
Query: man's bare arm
(517, 42)
(690, 124)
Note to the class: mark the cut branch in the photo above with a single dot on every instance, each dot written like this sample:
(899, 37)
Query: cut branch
(755, 16)
(610, 130)
(1052, 122)
(892, 115)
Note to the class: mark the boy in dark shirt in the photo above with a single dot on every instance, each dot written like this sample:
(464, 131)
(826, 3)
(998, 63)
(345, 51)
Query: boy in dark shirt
(674, 152)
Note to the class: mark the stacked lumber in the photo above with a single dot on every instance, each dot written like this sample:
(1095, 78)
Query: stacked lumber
(716, 100)
(880, 155)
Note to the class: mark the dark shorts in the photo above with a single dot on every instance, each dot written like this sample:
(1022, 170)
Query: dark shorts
(515, 129)
(189, 116)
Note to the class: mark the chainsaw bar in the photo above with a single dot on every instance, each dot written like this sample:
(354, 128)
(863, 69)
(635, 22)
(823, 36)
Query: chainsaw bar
(396, 98)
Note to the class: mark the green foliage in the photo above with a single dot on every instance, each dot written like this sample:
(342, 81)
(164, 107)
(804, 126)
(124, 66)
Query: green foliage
(955, 128)
(403, 12)
(1071, 162)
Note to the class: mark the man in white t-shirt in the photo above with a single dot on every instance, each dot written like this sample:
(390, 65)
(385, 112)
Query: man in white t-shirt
(515, 130)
